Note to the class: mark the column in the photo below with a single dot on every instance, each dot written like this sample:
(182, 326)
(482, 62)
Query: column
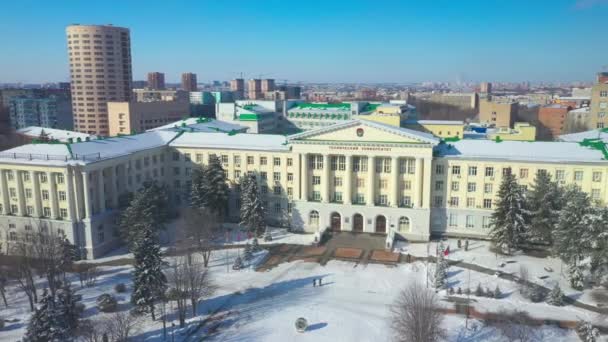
(113, 187)
(426, 188)
(69, 178)
(347, 196)
(4, 190)
(101, 191)
(88, 202)
(53, 194)
(371, 181)
(325, 181)
(21, 193)
(304, 177)
(418, 182)
(297, 179)
(77, 186)
(395, 186)
(37, 197)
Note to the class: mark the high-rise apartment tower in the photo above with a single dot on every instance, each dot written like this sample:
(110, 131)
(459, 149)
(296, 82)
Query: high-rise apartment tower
(156, 80)
(189, 82)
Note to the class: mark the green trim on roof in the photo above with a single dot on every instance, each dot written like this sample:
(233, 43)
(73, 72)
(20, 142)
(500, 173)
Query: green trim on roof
(323, 106)
(370, 107)
(250, 117)
(596, 144)
(451, 139)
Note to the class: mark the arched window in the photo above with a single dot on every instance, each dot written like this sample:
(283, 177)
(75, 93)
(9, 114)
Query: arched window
(313, 218)
(404, 224)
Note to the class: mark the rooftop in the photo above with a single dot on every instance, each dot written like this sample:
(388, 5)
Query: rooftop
(241, 141)
(601, 134)
(321, 106)
(53, 133)
(200, 125)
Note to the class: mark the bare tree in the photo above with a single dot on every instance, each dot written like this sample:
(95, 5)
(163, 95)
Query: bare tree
(121, 326)
(515, 326)
(198, 283)
(4, 276)
(87, 274)
(199, 226)
(48, 251)
(178, 287)
(416, 316)
(22, 270)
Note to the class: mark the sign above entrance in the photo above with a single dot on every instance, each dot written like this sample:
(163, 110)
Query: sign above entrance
(360, 148)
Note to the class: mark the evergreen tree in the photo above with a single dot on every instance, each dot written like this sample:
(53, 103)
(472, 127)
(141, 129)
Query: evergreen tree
(248, 253)
(575, 276)
(46, 324)
(575, 218)
(556, 296)
(479, 291)
(544, 203)
(255, 245)
(253, 213)
(148, 207)
(586, 332)
(598, 236)
(198, 197)
(149, 281)
(509, 216)
(69, 254)
(441, 269)
(497, 292)
(67, 307)
(212, 188)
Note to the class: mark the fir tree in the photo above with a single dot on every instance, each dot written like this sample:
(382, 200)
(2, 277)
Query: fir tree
(46, 324)
(198, 197)
(69, 254)
(149, 281)
(209, 189)
(575, 276)
(67, 308)
(148, 207)
(598, 234)
(253, 213)
(556, 296)
(479, 290)
(586, 332)
(497, 292)
(509, 216)
(544, 203)
(441, 268)
(571, 239)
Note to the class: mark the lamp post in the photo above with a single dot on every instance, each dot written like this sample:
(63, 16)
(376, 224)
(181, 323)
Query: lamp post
(466, 322)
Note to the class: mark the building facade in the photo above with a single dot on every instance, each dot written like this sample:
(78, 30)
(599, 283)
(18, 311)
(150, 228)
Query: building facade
(254, 89)
(100, 69)
(599, 102)
(358, 175)
(156, 80)
(136, 117)
(498, 113)
(189, 82)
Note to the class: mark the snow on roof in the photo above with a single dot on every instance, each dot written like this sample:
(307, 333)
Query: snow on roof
(581, 110)
(52, 133)
(332, 107)
(520, 151)
(240, 141)
(579, 137)
(200, 125)
(435, 122)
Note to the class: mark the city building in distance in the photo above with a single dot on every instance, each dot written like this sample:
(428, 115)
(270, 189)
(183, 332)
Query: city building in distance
(156, 80)
(100, 69)
(189, 82)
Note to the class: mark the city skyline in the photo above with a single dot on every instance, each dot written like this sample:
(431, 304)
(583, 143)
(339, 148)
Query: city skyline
(323, 42)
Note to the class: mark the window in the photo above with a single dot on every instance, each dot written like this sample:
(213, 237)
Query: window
(28, 193)
(406, 201)
(383, 184)
(46, 212)
(383, 165)
(360, 164)
(404, 224)
(276, 190)
(290, 177)
(485, 222)
(43, 178)
(289, 161)
(315, 162)
(62, 196)
(176, 171)
(471, 187)
(578, 176)
(224, 159)
(439, 169)
(453, 220)
(45, 195)
(313, 218)
(12, 192)
(249, 160)
(290, 192)
(523, 173)
(408, 165)
(487, 203)
(316, 196)
(595, 194)
(407, 185)
(14, 209)
(186, 158)
(29, 210)
(9, 175)
(237, 160)
(316, 180)
(63, 212)
(359, 198)
(456, 170)
(60, 178)
(289, 207)
(277, 208)
(237, 174)
(199, 158)
(26, 176)
(439, 185)
(338, 163)
(360, 182)
(276, 176)
(604, 93)
(487, 188)
(597, 176)
(337, 196)
(175, 156)
(438, 201)
(263, 161)
(560, 174)
(472, 170)
(455, 186)
(337, 181)
(469, 221)
(383, 199)
(454, 201)
(263, 175)
(470, 202)
(12, 236)
(276, 161)
(489, 171)
(264, 189)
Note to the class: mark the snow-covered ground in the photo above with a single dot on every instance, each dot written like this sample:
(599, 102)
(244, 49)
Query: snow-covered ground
(352, 305)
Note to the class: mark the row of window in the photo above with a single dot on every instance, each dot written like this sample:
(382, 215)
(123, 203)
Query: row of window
(360, 164)
(469, 221)
(523, 173)
(25, 176)
(13, 209)
(224, 159)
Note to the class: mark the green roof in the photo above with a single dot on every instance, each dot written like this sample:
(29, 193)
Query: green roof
(596, 144)
(370, 107)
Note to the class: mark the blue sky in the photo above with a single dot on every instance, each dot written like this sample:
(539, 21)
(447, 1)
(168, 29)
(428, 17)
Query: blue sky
(321, 41)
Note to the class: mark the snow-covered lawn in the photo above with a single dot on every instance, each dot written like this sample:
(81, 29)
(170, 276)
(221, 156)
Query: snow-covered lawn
(352, 304)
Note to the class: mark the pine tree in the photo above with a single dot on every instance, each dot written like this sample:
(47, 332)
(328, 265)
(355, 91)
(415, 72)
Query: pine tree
(509, 217)
(67, 308)
(209, 188)
(479, 290)
(253, 213)
(69, 254)
(556, 296)
(441, 269)
(148, 207)
(149, 281)
(543, 201)
(497, 292)
(198, 197)
(598, 234)
(46, 324)
(570, 234)
(586, 332)
(575, 276)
